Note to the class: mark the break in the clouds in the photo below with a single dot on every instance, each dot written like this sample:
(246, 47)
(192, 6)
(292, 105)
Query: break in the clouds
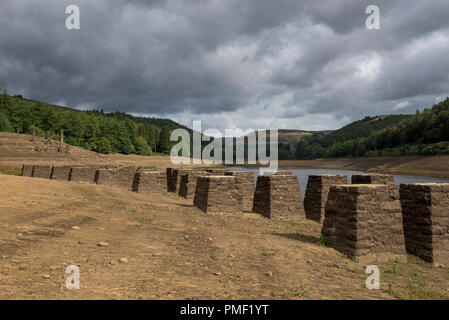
(308, 64)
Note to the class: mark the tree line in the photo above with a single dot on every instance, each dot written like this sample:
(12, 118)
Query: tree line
(425, 133)
(93, 130)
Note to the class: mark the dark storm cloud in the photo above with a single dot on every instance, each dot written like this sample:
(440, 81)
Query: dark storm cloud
(245, 63)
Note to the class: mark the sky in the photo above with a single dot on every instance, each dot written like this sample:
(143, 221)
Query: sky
(246, 64)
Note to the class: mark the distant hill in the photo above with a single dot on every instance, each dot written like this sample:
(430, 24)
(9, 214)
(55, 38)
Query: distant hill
(362, 128)
(425, 133)
(292, 137)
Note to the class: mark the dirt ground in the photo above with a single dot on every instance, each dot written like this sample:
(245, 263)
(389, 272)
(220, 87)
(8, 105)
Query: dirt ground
(171, 250)
(430, 166)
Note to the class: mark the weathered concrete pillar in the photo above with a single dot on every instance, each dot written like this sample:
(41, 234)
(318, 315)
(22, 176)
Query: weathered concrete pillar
(217, 194)
(317, 192)
(42, 171)
(27, 170)
(174, 179)
(387, 179)
(169, 176)
(83, 174)
(245, 188)
(61, 173)
(122, 177)
(278, 196)
(425, 209)
(364, 222)
(150, 181)
(188, 182)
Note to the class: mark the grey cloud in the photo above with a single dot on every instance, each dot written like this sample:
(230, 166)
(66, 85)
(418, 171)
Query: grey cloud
(221, 59)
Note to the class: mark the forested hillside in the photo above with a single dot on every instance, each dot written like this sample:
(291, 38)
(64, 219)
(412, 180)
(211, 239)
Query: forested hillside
(425, 133)
(92, 130)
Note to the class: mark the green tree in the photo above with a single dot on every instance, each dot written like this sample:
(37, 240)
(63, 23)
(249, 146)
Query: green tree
(164, 139)
(104, 145)
(4, 123)
(142, 147)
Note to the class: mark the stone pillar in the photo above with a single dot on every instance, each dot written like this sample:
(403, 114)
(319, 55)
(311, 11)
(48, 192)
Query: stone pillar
(217, 194)
(122, 177)
(245, 188)
(169, 175)
(83, 174)
(316, 194)
(387, 179)
(27, 170)
(188, 183)
(425, 209)
(150, 181)
(174, 179)
(278, 196)
(42, 172)
(61, 173)
(364, 222)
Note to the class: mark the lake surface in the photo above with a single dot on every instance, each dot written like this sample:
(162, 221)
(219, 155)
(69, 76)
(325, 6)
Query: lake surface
(303, 175)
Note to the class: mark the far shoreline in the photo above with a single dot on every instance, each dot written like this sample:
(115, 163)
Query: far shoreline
(424, 166)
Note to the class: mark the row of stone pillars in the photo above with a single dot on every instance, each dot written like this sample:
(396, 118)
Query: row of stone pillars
(367, 219)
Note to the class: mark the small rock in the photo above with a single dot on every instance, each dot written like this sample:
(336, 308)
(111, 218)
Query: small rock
(157, 254)
(122, 260)
(22, 268)
(75, 227)
(112, 262)
(103, 244)
(231, 255)
(269, 274)
(46, 276)
(81, 242)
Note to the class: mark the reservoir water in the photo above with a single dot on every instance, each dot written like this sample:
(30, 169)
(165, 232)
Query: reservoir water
(303, 175)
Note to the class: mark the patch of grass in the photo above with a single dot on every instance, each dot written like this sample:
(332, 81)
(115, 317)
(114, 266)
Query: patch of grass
(214, 246)
(83, 189)
(268, 254)
(415, 274)
(418, 291)
(394, 267)
(301, 293)
(130, 210)
(144, 219)
(10, 170)
(322, 242)
(417, 260)
(213, 256)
